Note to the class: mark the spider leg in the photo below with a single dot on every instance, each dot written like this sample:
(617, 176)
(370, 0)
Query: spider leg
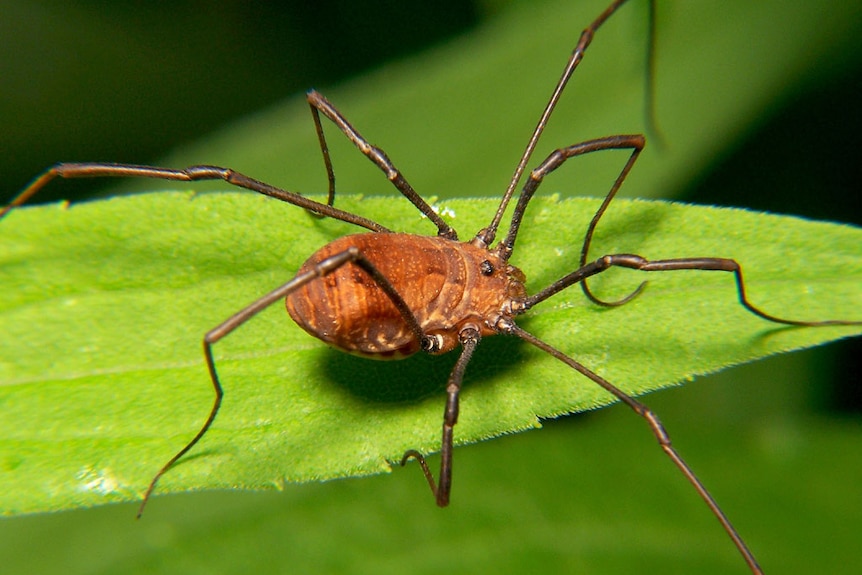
(469, 337)
(637, 262)
(657, 429)
(325, 267)
(486, 236)
(189, 174)
(320, 105)
(634, 142)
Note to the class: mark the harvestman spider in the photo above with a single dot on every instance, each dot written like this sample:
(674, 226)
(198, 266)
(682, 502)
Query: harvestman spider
(442, 293)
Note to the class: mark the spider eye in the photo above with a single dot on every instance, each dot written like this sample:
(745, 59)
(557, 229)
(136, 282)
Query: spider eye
(487, 268)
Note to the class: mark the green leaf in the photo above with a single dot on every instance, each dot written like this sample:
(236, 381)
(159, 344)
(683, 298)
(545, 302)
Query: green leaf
(106, 304)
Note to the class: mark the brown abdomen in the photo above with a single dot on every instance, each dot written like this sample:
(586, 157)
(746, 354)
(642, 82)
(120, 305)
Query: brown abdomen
(434, 276)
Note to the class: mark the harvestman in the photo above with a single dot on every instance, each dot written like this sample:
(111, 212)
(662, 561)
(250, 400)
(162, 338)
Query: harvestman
(443, 294)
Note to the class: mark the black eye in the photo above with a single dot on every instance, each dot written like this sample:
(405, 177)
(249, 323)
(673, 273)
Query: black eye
(487, 268)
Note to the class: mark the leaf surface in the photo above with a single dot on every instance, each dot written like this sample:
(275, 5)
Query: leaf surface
(105, 305)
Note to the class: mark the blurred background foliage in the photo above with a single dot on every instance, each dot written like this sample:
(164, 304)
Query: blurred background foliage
(778, 440)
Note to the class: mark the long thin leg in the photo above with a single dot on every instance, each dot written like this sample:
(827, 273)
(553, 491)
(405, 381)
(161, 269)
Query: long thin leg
(319, 105)
(636, 262)
(486, 236)
(189, 174)
(469, 340)
(657, 429)
(652, 127)
(633, 142)
(323, 268)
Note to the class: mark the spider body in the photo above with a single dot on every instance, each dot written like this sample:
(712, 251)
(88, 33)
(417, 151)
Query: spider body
(447, 285)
